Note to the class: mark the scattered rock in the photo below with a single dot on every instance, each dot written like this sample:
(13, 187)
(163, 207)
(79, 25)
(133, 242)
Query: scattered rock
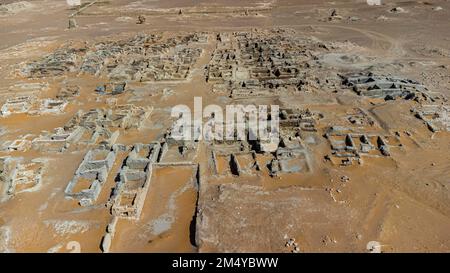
(354, 18)
(293, 245)
(382, 18)
(140, 20)
(373, 247)
(73, 3)
(374, 2)
(334, 16)
(106, 243)
(5, 236)
(72, 23)
(345, 179)
(397, 10)
(389, 97)
(326, 240)
(290, 242)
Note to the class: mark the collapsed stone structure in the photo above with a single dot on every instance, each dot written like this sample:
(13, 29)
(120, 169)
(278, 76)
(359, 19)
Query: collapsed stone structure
(134, 179)
(129, 194)
(24, 89)
(125, 116)
(23, 143)
(283, 152)
(376, 86)
(241, 158)
(32, 106)
(436, 117)
(7, 169)
(68, 92)
(17, 176)
(175, 151)
(298, 120)
(233, 158)
(259, 64)
(91, 175)
(62, 138)
(359, 117)
(17, 105)
(349, 147)
(95, 127)
(139, 58)
(28, 176)
(247, 64)
(25, 101)
(290, 157)
(111, 88)
(58, 140)
(176, 67)
(61, 61)
(51, 106)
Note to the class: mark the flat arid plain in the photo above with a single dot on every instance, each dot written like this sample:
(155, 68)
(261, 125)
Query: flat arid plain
(89, 161)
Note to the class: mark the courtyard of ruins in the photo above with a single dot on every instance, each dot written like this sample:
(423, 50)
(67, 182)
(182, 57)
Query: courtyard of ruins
(89, 161)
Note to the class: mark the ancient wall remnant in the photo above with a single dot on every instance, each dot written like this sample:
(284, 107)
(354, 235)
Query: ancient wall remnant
(298, 120)
(63, 60)
(68, 92)
(259, 63)
(290, 157)
(7, 172)
(32, 106)
(386, 87)
(130, 192)
(90, 176)
(18, 175)
(22, 143)
(349, 147)
(144, 57)
(95, 127)
(17, 105)
(59, 140)
(111, 88)
(119, 116)
(436, 117)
